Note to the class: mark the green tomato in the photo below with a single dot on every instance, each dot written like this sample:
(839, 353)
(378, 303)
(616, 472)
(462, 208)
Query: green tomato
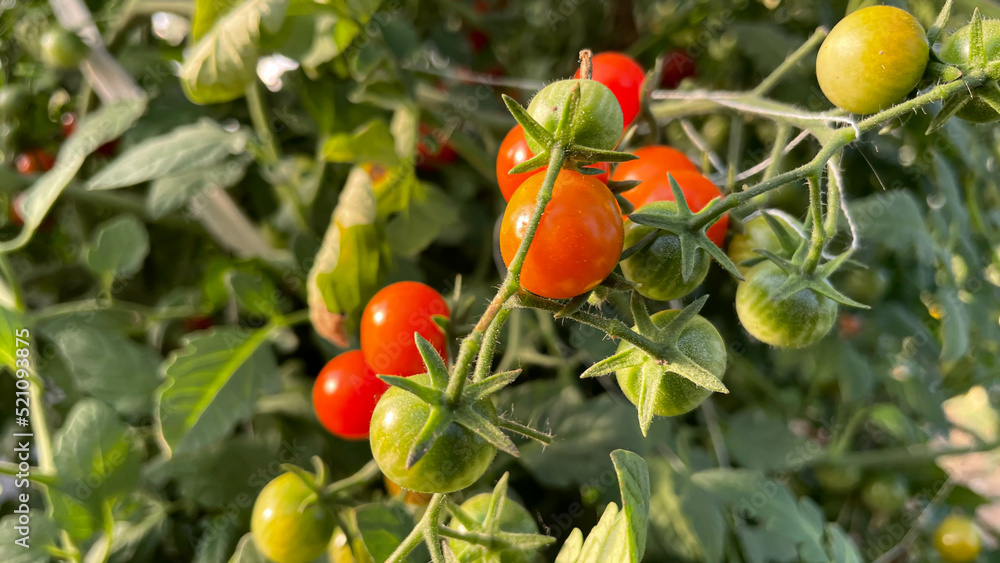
(61, 48)
(514, 518)
(867, 285)
(886, 493)
(956, 51)
(657, 267)
(284, 529)
(458, 458)
(598, 122)
(757, 233)
(676, 394)
(871, 59)
(840, 480)
(793, 322)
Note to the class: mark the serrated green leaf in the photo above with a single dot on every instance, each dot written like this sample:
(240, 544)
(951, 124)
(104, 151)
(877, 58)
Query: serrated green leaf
(254, 293)
(633, 482)
(223, 61)
(170, 193)
(211, 384)
(187, 147)
(686, 523)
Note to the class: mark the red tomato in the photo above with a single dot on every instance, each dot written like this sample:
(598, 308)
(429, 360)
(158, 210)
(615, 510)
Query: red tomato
(578, 241)
(677, 66)
(428, 157)
(698, 191)
(513, 151)
(623, 76)
(389, 322)
(34, 161)
(345, 393)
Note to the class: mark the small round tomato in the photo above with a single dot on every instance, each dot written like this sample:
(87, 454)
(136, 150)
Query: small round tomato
(623, 76)
(867, 285)
(513, 151)
(287, 529)
(676, 394)
(578, 241)
(656, 269)
(956, 51)
(598, 120)
(698, 191)
(344, 395)
(837, 479)
(677, 66)
(60, 48)
(793, 322)
(757, 234)
(849, 325)
(651, 163)
(871, 59)
(514, 518)
(34, 161)
(886, 493)
(433, 150)
(457, 459)
(957, 540)
(389, 322)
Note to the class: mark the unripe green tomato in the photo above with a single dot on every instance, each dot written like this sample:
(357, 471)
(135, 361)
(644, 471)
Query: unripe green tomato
(957, 540)
(796, 321)
(458, 458)
(598, 121)
(872, 58)
(514, 519)
(657, 267)
(61, 48)
(700, 342)
(886, 493)
(956, 51)
(284, 529)
(757, 234)
(837, 479)
(867, 285)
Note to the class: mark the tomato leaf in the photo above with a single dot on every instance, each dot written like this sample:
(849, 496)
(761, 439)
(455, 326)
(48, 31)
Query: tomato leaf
(430, 214)
(170, 193)
(222, 62)
(118, 248)
(42, 534)
(371, 142)
(686, 522)
(176, 153)
(211, 384)
(383, 527)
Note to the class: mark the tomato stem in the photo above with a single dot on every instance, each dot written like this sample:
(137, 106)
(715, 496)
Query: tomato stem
(791, 61)
(818, 236)
(586, 64)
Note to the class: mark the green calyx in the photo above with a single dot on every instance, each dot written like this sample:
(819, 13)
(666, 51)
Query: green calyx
(459, 410)
(578, 129)
(656, 360)
(690, 229)
(817, 280)
(973, 50)
(488, 536)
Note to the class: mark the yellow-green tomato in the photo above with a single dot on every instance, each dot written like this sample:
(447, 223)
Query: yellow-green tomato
(676, 394)
(956, 51)
(956, 540)
(514, 518)
(796, 321)
(758, 234)
(871, 59)
(285, 527)
(656, 269)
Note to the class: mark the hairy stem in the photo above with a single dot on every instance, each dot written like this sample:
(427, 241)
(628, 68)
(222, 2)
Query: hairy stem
(790, 62)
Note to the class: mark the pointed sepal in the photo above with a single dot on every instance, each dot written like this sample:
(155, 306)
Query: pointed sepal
(437, 423)
(564, 129)
(574, 305)
(977, 48)
(633, 357)
(619, 186)
(429, 395)
(485, 429)
(951, 106)
(640, 315)
(537, 162)
(934, 32)
(651, 377)
(524, 430)
(433, 361)
(492, 384)
(531, 127)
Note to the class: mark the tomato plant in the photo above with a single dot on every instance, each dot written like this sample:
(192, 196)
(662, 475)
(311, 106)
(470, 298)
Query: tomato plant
(345, 393)
(578, 241)
(390, 320)
(61, 49)
(258, 202)
(872, 58)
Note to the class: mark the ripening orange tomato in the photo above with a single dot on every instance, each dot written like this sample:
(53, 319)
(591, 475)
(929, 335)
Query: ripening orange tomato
(578, 241)
(698, 191)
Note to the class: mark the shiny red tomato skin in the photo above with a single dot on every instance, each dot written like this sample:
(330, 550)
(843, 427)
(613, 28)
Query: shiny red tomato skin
(623, 76)
(698, 191)
(34, 161)
(389, 322)
(652, 162)
(344, 395)
(578, 241)
(513, 151)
